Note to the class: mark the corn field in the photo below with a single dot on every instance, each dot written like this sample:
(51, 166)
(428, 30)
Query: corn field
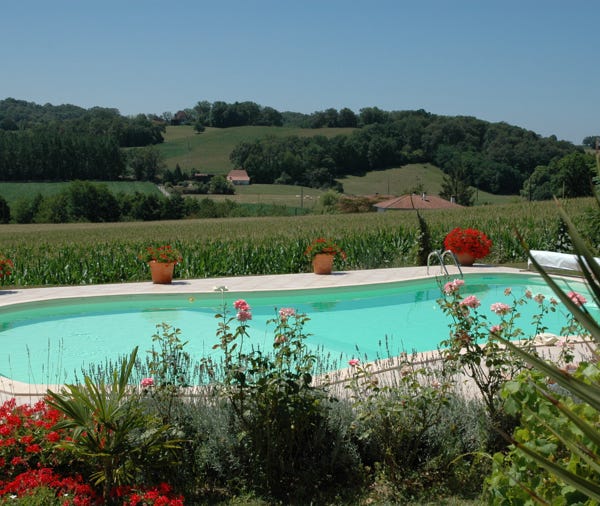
(84, 253)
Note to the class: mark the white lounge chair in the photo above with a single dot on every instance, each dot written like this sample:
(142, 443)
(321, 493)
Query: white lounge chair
(554, 260)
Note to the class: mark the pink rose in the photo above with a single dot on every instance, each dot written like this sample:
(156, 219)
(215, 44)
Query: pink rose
(577, 298)
(286, 312)
(147, 382)
(241, 305)
(244, 315)
(353, 362)
(496, 329)
(470, 301)
(500, 308)
(453, 286)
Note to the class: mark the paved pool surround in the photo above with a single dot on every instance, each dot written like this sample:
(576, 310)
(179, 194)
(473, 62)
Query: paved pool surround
(28, 393)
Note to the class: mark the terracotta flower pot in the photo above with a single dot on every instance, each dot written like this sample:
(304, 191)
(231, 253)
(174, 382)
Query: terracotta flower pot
(465, 259)
(162, 272)
(322, 264)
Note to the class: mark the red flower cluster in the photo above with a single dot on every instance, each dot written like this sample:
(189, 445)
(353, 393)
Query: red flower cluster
(163, 254)
(468, 240)
(72, 490)
(6, 266)
(27, 436)
(325, 247)
(157, 496)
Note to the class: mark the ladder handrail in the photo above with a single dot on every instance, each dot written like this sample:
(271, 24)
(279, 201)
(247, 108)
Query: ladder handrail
(454, 259)
(441, 256)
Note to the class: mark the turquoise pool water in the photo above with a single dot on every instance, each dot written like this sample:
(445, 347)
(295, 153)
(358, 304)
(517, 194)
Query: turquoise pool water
(51, 341)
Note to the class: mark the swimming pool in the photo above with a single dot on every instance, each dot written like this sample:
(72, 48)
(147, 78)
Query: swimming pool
(46, 342)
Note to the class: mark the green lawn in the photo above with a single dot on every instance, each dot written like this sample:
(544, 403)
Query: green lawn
(398, 181)
(287, 195)
(209, 151)
(13, 192)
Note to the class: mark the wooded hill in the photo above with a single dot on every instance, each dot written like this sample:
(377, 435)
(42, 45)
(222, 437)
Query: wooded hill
(67, 142)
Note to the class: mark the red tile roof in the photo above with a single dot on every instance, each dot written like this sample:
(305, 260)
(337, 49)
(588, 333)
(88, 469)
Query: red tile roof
(238, 175)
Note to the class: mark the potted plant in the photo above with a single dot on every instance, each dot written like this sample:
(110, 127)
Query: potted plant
(467, 244)
(162, 261)
(322, 252)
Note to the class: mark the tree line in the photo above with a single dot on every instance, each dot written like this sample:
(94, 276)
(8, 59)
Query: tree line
(139, 130)
(68, 142)
(85, 201)
(494, 157)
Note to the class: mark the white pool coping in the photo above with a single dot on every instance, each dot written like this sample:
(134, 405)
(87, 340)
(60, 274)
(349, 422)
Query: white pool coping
(27, 393)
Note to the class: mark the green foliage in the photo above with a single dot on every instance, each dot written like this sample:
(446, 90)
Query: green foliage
(109, 430)
(555, 451)
(418, 436)
(4, 211)
(49, 154)
(550, 427)
(473, 347)
(290, 450)
(424, 245)
(170, 367)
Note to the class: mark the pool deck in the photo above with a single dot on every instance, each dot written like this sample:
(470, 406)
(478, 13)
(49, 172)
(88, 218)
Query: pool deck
(244, 283)
(26, 393)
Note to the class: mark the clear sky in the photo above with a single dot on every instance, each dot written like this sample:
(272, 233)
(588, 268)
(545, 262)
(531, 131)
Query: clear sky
(530, 63)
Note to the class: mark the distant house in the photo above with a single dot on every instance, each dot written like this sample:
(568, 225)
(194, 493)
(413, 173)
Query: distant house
(413, 201)
(238, 176)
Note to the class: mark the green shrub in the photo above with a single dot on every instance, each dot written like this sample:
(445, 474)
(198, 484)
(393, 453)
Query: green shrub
(289, 448)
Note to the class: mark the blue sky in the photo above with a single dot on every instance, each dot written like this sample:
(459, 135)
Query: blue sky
(531, 63)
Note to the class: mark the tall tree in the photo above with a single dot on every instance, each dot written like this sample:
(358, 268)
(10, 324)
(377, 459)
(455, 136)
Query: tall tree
(455, 187)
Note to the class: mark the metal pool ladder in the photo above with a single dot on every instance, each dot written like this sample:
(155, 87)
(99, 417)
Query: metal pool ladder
(440, 256)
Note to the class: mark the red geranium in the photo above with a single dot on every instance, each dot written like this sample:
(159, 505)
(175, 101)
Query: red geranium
(6, 266)
(162, 254)
(325, 247)
(468, 240)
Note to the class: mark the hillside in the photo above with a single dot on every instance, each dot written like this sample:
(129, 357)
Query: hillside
(209, 151)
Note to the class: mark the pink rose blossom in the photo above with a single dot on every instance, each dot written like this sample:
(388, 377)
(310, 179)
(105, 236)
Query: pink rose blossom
(577, 298)
(453, 286)
(244, 315)
(286, 312)
(353, 362)
(241, 305)
(280, 339)
(507, 291)
(147, 382)
(539, 298)
(528, 294)
(470, 301)
(500, 308)
(496, 329)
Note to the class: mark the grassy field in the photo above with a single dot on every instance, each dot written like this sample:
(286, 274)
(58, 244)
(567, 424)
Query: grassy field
(399, 181)
(209, 151)
(282, 195)
(13, 192)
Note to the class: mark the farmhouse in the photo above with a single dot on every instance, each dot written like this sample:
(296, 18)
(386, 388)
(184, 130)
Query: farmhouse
(238, 176)
(413, 201)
